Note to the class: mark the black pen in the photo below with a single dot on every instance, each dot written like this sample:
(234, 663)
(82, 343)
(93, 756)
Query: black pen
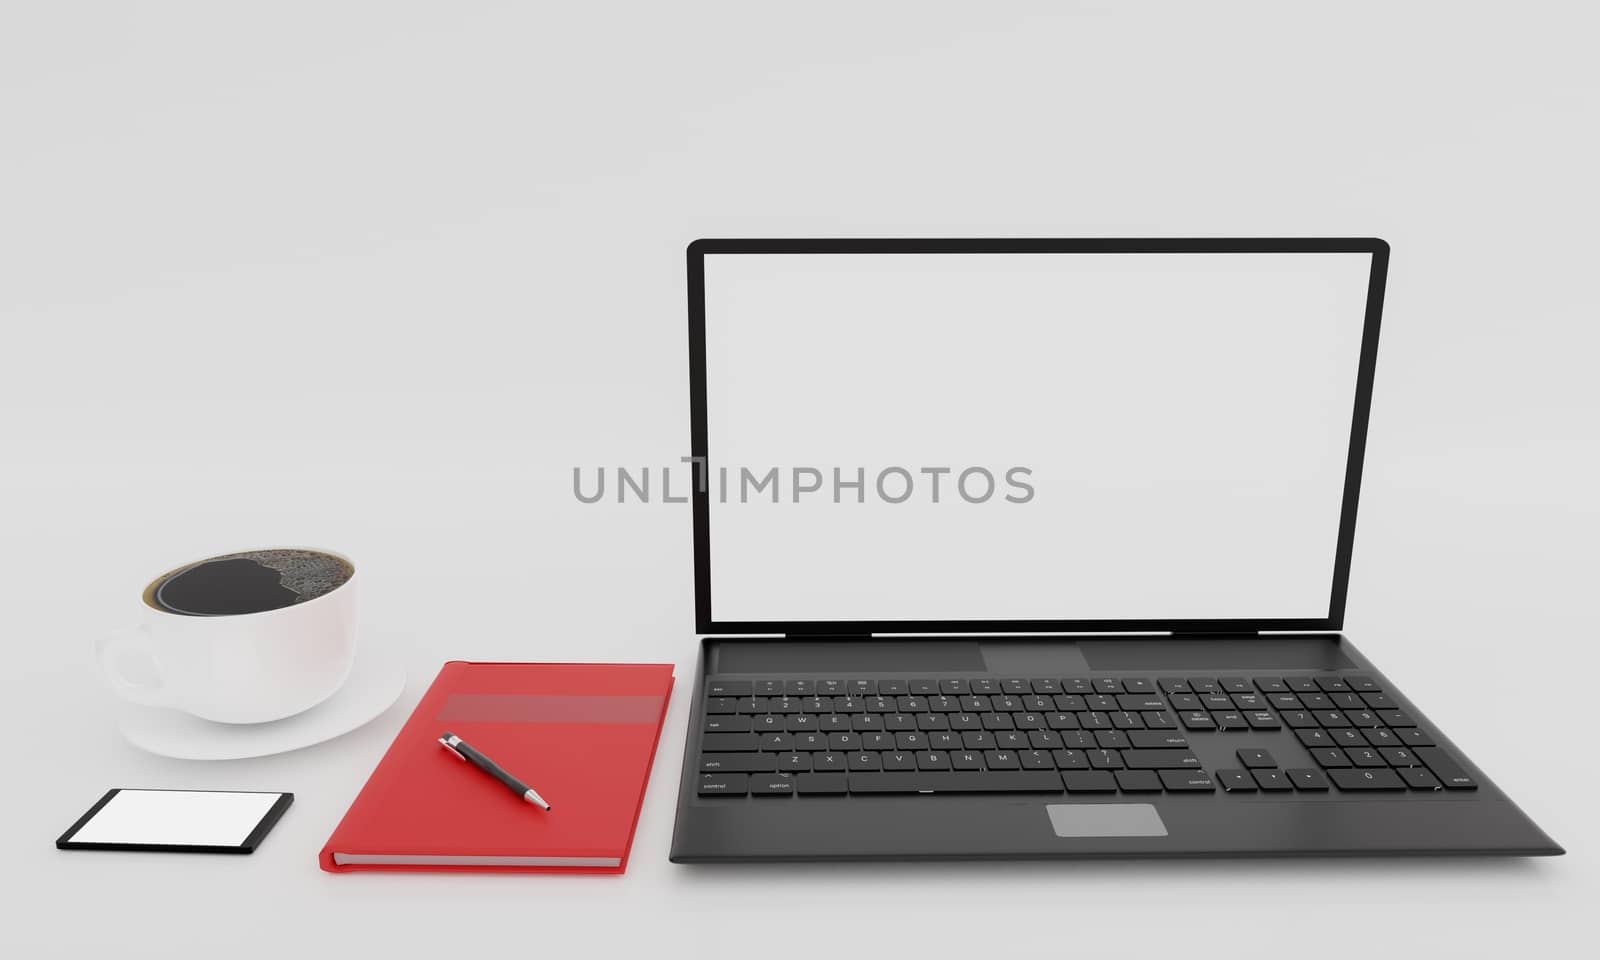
(464, 751)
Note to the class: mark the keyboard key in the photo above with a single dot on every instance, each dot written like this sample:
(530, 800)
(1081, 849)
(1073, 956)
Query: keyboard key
(794, 761)
(1363, 683)
(1379, 701)
(821, 783)
(933, 760)
(1254, 758)
(1400, 757)
(1271, 685)
(1272, 780)
(899, 760)
(729, 743)
(1300, 719)
(1000, 760)
(800, 688)
(957, 781)
(724, 784)
(780, 742)
(1138, 781)
(984, 687)
(1112, 739)
(1332, 684)
(767, 688)
(1070, 759)
(830, 688)
(1347, 738)
(1330, 757)
(1234, 684)
(1187, 781)
(1197, 720)
(1157, 738)
(1450, 773)
(893, 688)
(1159, 720)
(1228, 720)
(722, 705)
(925, 688)
(1047, 686)
(1077, 685)
(863, 688)
(864, 761)
(1418, 778)
(1236, 781)
(771, 785)
(1380, 737)
(1396, 718)
(1203, 685)
(1301, 684)
(727, 724)
(1160, 759)
(738, 763)
(1314, 738)
(1174, 685)
(1105, 759)
(1308, 779)
(1140, 701)
(1414, 737)
(729, 688)
(1366, 757)
(1262, 720)
(1089, 781)
(1036, 760)
(1384, 779)
(809, 742)
(1015, 686)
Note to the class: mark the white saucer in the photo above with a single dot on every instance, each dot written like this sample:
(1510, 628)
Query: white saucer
(375, 682)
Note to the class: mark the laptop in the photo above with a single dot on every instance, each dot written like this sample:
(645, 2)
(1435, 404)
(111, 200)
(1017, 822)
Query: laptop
(1039, 549)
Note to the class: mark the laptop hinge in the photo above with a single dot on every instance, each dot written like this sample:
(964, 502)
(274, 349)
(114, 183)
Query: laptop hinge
(1180, 634)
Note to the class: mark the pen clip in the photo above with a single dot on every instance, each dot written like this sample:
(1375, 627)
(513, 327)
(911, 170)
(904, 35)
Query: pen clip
(445, 742)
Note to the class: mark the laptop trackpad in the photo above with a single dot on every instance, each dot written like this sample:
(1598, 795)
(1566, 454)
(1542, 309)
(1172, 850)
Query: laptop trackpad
(1105, 820)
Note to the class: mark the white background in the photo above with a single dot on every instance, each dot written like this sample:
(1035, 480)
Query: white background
(378, 275)
(1176, 471)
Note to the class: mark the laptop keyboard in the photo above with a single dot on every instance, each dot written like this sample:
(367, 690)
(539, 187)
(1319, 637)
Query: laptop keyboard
(1076, 735)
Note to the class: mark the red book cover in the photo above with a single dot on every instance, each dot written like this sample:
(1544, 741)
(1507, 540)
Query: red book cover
(583, 735)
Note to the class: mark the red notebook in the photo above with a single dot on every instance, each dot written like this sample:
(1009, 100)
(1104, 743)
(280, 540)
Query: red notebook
(581, 734)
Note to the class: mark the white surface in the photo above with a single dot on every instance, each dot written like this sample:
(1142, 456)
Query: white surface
(376, 679)
(1175, 473)
(464, 225)
(179, 818)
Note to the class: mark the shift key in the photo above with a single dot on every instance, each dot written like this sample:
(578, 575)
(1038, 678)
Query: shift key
(1160, 759)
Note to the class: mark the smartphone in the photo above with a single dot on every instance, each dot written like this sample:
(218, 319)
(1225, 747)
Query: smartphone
(177, 821)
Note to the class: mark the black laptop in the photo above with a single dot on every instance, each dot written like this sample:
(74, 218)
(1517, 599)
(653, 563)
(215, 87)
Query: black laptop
(1038, 549)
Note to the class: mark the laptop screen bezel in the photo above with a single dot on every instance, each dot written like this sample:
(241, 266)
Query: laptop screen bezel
(700, 498)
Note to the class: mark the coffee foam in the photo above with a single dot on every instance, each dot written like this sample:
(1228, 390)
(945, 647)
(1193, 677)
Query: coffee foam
(307, 573)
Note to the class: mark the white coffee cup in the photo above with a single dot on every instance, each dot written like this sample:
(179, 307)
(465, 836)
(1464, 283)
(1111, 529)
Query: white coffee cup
(238, 668)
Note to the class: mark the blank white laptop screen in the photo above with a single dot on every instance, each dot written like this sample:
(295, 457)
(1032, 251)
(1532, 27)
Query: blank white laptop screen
(1166, 434)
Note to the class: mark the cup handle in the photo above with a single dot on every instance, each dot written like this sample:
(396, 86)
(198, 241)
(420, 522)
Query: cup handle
(109, 650)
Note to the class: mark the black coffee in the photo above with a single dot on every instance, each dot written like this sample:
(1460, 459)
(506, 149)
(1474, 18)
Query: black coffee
(250, 582)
